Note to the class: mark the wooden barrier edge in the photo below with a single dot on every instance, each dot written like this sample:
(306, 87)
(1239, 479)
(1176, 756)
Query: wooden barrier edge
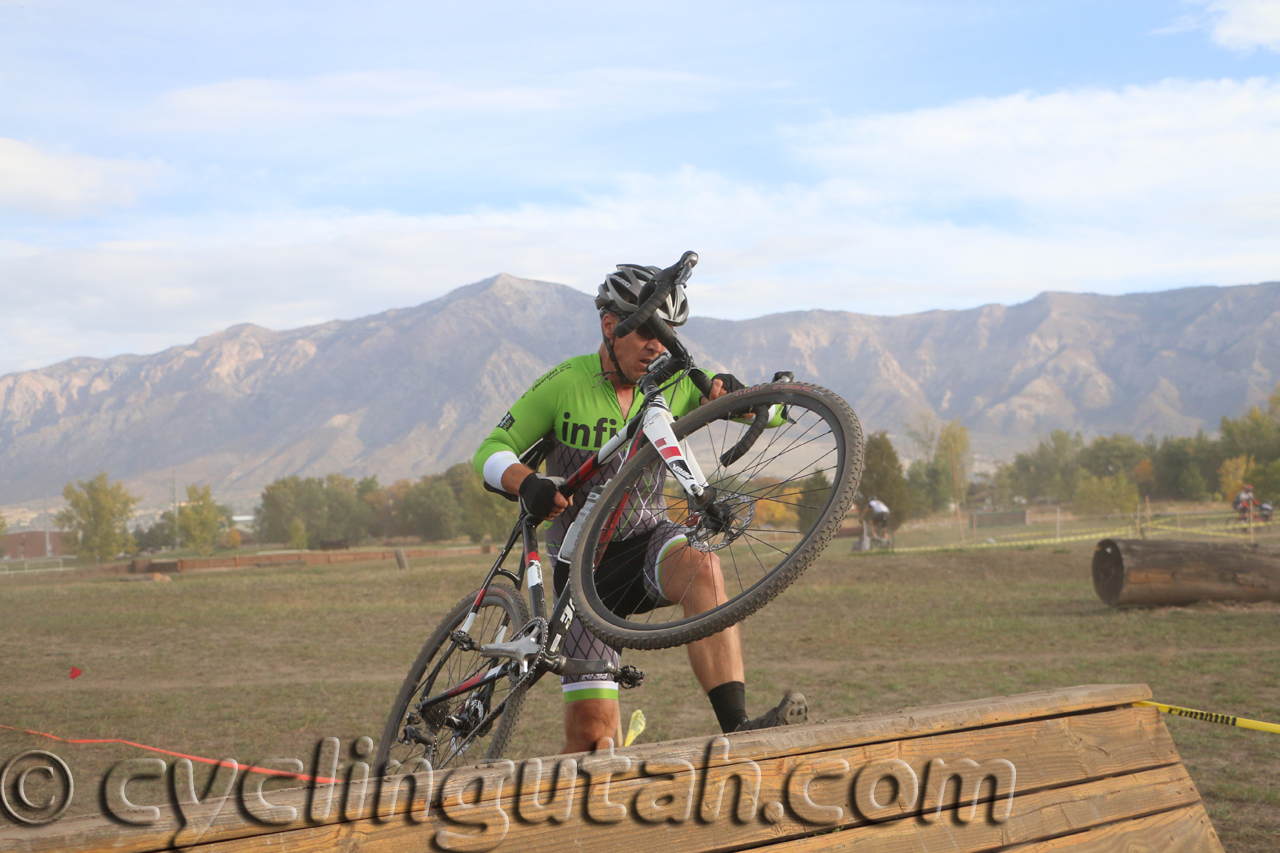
(97, 833)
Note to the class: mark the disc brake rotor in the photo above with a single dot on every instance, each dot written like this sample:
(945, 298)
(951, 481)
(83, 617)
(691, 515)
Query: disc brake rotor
(722, 522)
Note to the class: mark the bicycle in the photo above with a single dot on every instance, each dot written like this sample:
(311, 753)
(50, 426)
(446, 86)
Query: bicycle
(873, 539)
(788, 458)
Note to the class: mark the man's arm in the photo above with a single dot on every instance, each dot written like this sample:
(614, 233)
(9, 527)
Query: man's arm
(539, 493)
(529, 419)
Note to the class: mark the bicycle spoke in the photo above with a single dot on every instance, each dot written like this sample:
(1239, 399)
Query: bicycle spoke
(752, 533)
(452, 729)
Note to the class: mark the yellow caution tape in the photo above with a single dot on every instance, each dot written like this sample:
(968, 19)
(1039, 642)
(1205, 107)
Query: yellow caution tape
(1206, 531)
(1210, 717)
(1161, 526)
(636, 728)
(1016, 543)
(1041, 535)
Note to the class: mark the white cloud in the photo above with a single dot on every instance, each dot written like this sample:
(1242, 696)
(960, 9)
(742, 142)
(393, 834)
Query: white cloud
(388, 94)
(982, 200)
(1245, 24)
(65, 185)
(1101, 152)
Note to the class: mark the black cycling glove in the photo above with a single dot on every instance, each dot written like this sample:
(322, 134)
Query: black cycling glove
(730, 382)
(538, 494)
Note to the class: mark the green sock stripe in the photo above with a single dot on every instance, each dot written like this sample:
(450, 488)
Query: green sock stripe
(591, 693)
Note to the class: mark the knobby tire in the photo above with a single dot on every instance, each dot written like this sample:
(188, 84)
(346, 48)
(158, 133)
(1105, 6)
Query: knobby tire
(747, 488)
(501, 605)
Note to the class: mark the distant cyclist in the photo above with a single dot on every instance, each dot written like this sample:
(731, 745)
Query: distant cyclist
(877, 512)
(580, 404)
(1245, 503)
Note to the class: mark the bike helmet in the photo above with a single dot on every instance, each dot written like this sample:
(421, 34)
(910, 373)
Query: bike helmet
(623, 292)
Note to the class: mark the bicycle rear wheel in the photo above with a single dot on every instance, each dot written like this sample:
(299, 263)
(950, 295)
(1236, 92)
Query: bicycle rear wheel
(452, 732)
(774, 511)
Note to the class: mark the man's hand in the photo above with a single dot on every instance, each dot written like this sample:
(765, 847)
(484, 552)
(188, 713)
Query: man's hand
(540, 496)
(723, 383)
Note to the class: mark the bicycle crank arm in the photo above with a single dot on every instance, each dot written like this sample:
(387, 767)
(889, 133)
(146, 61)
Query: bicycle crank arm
(628, 676)
(521, 649)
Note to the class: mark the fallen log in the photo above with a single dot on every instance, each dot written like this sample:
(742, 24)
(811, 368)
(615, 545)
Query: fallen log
(1140, 572)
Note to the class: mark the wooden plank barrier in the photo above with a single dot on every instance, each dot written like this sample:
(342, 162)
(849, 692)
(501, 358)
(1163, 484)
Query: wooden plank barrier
(1076, 769)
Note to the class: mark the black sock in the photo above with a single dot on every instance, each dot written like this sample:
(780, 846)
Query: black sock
(729, 701)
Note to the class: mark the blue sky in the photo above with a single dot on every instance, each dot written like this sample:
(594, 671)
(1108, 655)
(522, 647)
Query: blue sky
(168, 169)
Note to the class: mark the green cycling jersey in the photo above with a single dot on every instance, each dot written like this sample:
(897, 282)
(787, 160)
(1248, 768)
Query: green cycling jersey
(578, 407)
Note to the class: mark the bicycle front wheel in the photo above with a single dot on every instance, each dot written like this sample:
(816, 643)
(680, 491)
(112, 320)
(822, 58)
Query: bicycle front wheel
(454, 732)
(773, 511)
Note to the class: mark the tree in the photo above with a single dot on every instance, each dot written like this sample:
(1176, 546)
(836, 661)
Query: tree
(96, 512)
(285, 501)
(952, 458)
(1144, 477)
(775, 504)
(941, 477)
(1172, 459)
(1256, 434)
(1231, 476)
(157, 537)
(483, 513)
(1002, 488)
(1192, 485)
(1116, 454)
(199, 519)
(335, 507)
(388, 505)
(298, 534)
(813, 495)
(1050, 471)
(1104, 495)
(431, 510)
(1265, 480)
(4, 531)
(882, 478)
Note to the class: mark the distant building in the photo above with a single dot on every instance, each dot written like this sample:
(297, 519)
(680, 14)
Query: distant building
(30, 544)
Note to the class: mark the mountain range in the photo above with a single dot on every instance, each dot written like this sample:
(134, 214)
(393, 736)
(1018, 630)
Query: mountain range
(410, 391)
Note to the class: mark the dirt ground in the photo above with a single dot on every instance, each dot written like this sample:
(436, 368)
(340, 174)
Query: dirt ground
(259, 664)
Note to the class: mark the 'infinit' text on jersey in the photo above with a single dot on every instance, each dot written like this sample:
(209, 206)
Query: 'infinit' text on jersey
(584, 435)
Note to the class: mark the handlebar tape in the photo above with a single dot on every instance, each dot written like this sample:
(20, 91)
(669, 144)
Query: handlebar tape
(761, 413)
(739, 450)
(700, 379)
(645, 311)
(664, 282)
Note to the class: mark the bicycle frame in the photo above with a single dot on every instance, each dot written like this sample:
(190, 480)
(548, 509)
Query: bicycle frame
(651, 425)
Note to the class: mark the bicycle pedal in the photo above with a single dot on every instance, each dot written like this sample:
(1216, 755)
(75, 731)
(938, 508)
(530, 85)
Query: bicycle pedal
(463, 640)
(629, 677)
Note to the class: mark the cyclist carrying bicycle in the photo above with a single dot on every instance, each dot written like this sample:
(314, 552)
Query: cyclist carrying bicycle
(877, 512)
(580, 404)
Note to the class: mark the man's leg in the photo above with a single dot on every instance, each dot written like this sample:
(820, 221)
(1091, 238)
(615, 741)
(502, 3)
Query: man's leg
(587, 722)
(693, 579)
(590, 701)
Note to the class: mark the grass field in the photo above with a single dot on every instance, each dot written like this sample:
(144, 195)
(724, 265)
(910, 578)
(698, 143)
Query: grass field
(255, 664)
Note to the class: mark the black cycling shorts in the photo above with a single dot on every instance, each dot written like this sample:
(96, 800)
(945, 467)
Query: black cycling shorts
(619, 577)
